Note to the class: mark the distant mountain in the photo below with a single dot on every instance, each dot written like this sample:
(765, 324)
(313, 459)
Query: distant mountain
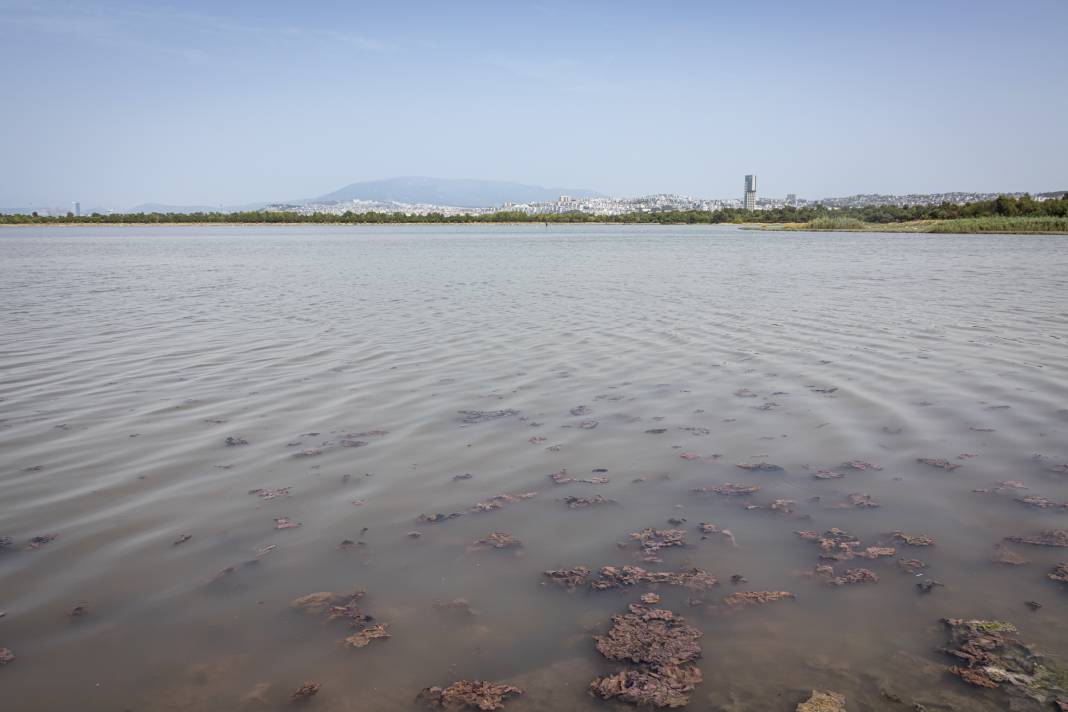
(449, 191)
(164, 208)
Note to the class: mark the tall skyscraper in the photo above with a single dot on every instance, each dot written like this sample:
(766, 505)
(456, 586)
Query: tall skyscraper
(750, 193)
(78, 209)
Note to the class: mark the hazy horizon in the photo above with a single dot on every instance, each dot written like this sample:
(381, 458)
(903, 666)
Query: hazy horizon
(120, 103)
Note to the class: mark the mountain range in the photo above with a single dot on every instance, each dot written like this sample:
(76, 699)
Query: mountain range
(457, 192)
(462, 193)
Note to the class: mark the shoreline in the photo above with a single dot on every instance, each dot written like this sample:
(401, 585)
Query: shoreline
(912, 227)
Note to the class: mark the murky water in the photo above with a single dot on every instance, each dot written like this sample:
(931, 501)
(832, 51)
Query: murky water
(130, 355)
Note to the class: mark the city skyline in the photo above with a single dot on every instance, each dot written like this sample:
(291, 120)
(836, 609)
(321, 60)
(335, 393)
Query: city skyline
(126, 102)
(593, 203)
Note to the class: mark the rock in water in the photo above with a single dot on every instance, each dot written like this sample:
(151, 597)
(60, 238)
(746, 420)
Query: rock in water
(823, 701)
(468, 694)
(665, 648)
(991, 656)
(668, 686)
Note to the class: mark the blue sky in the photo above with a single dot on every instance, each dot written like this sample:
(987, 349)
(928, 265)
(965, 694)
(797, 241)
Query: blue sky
(117, 103)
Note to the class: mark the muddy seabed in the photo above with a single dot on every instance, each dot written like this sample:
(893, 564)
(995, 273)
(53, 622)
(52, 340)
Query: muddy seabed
(200, 425)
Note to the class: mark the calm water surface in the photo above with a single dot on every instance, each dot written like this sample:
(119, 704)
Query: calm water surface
(129, 355)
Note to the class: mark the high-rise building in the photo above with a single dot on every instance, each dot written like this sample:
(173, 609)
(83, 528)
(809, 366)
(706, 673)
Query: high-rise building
(791, 199)
(749, 203)
(78, 209)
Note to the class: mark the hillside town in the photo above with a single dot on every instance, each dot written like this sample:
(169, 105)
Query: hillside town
(590, 205)
(659, 202)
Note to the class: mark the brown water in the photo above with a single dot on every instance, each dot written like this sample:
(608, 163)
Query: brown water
(129, 355)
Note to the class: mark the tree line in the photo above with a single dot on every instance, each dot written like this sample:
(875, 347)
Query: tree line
(1002, 206)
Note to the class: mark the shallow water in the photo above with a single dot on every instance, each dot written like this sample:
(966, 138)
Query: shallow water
(129, 355)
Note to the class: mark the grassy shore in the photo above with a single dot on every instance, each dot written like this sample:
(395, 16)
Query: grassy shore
(1031, 225)
(1048, 224)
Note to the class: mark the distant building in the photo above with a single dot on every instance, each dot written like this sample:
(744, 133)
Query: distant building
(750, 201)
(78, 209)
(791, 199)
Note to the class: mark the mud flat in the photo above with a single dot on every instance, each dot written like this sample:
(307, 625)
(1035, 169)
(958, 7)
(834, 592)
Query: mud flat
(521, 468)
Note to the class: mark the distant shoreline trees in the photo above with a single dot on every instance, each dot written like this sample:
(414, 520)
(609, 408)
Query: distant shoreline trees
(1004, 206)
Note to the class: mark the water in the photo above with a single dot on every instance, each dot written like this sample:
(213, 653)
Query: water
(129, 355)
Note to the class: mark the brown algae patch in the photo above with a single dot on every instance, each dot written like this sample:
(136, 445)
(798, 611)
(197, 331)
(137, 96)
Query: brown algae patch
(663, 645)
(468, 694)
(823, 701)
(616, 577)
(991, 656)
(744, 599)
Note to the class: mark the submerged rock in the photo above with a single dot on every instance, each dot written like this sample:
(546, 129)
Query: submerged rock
(345, 607)
(438, 518)
(785, 506)
(586, 502)
(760, 467)
(498, 501)
(653, 540)
(271, 493)
(860, 501)
(728, 489)
(707, 529)
(468, 694)
(650, 636)
(741, 599)
(916, 540)
(1005, 555)
(911, 566)
(1059, 573)
(623, 576)
(38, 541)
(6, 656)
(851, 576)
(569, 578)
(318, 603)
(827, 475)
(365, 636)
(992, 657)
(457, 606)
(938, 462)
(1036, 502)
(664, 686)
(1049, 537)
(663, 645)
(306, 691)
(860, 465)
(481, 416)
(928, 585)
(499, 540)
(613, 577)
(823, 701)
(839, 545)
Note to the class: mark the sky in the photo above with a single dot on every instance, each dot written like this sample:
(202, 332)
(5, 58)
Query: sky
(118, 103)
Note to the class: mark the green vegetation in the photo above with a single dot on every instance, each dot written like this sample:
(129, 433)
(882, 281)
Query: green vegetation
(1004, 214)
(999, 223)
(836, 222)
